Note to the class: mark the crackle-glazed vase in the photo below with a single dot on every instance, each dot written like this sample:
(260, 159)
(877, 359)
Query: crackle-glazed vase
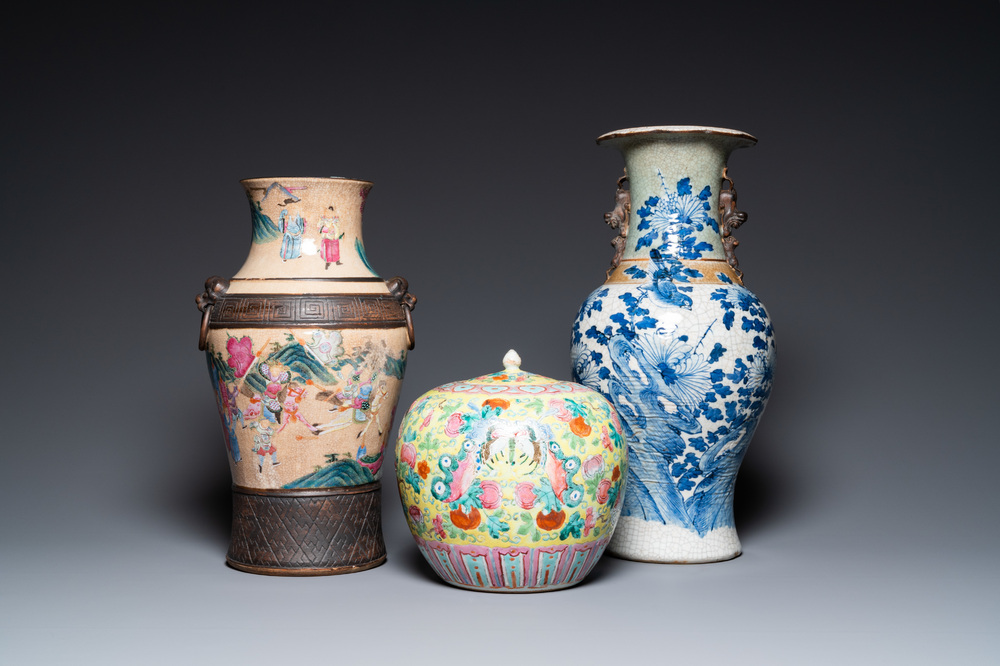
(676, 342)
(511, 482)
(306, 348)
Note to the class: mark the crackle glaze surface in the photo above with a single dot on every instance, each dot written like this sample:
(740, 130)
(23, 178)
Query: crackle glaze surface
(681, 348)
(308, 403)
(511, 481)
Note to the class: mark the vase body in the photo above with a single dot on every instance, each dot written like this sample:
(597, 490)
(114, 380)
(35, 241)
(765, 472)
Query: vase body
(511, 482)
(306, 348)
(676, 342)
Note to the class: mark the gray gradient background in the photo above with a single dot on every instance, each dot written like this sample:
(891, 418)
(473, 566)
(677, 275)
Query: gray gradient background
(867, 503)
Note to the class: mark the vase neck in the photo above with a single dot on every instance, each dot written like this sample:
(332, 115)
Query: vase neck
(674, 182)
(308, 228)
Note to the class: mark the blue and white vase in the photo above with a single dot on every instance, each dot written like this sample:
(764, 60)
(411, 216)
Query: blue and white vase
(676, 342)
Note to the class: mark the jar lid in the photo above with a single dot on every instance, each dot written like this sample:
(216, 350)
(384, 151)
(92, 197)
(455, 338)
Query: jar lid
(512, 380)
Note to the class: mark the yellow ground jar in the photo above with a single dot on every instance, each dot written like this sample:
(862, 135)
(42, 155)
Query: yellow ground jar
(511, 482)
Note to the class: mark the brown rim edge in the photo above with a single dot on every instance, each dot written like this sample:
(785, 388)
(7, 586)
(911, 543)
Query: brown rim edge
(635, 132)
(330, 571)
(374, 486)
(318, 179)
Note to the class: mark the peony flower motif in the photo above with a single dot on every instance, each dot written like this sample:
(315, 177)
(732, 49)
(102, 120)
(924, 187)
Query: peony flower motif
(491, 496)
(408, 454)
(438, 523)
(590, 521)
(593, 466)
(579, 427)
(454, 423)
(240, 354)
(525, 495)
(415, 514)
(603, 488)
(423, 469)
(427, 421)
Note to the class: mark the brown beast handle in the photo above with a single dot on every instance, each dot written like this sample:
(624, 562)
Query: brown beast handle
(731, 219)
(398, 287)
(617, 218)
(215, 286)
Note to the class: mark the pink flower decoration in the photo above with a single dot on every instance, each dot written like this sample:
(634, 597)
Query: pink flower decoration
(606, 439)
(602, 491)
(439, 526)
(408, 454)
(427, 421)
(589, 522)
(561, 412)
(525, 495)
(593, 466)
(240, 354)
(454, 423)
(491, 494)
(415, 514)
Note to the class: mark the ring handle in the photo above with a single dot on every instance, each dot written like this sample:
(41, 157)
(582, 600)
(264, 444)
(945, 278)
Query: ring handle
(398, 287)
(215, 287)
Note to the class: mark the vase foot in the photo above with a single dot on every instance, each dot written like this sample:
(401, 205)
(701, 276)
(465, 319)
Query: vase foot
(646, 541)
(307, 531)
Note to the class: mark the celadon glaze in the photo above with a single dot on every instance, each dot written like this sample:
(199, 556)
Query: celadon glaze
(682, 349)
(511, 482)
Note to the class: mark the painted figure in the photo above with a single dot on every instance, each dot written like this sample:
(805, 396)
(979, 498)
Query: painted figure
(374, 406)
(352, 405)
(253, 410)
(291, 409)
(274, 392)
(329, 248)
(263, 446)
(293, 230)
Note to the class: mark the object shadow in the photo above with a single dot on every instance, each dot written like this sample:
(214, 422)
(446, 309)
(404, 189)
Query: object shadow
(410, 559)
(198, 500)
(763, 494)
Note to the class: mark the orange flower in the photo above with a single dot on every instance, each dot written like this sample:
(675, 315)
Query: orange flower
(551, 520)
(616, 474)
(497, 402)
(423, 469)
(579, 427)
(500, 378)
(464, 521)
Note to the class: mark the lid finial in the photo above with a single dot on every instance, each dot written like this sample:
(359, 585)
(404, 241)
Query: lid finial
(511, 361)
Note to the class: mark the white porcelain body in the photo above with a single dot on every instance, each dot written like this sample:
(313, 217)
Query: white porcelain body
(680, 347)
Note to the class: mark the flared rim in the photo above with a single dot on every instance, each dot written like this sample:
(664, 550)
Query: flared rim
(636, 132)
(314, 179)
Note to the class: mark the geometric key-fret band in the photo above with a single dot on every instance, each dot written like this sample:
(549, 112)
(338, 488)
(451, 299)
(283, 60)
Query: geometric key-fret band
(312, 310)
